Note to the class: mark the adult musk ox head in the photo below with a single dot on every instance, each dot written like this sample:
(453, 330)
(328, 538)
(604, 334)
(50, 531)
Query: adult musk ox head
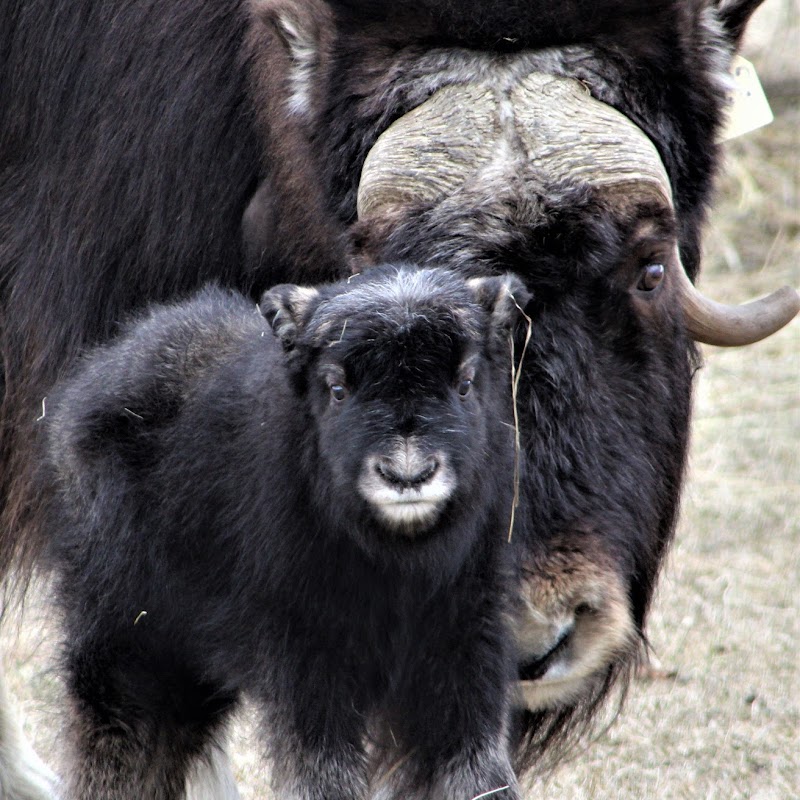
(536, 175)
(586, 170)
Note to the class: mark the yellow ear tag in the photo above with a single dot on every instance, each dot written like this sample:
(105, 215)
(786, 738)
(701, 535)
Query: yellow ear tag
(747, 105)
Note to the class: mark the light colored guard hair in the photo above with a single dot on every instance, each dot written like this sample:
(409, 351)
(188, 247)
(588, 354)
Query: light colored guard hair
(23, 775)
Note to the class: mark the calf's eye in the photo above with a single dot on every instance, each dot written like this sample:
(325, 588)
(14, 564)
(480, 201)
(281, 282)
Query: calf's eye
(464, 387)
(338, 392)
(650, 277)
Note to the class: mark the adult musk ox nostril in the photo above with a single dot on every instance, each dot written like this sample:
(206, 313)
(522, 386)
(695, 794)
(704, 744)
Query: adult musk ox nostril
(230, 507)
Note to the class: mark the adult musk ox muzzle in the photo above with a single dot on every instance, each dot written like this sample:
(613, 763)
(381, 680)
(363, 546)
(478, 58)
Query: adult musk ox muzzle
(468, 179)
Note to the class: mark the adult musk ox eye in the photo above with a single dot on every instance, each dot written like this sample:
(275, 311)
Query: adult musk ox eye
(650, 277)
(338, 392)
(465, 387)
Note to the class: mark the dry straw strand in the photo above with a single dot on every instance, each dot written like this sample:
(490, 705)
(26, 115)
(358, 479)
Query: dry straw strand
(516, 372)
(492, 792)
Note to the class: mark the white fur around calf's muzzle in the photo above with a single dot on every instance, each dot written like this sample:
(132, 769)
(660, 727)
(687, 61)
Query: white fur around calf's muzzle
(406, 486)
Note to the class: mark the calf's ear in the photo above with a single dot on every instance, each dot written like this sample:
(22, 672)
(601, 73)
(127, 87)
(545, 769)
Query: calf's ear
(287, 308)
(504, 298)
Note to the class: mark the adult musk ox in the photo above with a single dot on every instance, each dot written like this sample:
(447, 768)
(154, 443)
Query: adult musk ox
(147, 148)
(306, 516)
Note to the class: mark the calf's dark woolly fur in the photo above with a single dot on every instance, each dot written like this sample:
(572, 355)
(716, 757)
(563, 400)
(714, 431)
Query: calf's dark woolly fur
(209, 540)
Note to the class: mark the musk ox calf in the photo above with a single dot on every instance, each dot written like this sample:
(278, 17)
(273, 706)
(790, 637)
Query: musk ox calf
(307, 503)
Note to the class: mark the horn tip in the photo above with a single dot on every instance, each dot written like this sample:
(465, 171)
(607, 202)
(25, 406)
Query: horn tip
(789, 297)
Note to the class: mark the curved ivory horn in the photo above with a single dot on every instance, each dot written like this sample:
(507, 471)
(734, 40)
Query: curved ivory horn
(465, 131)
(717, 324)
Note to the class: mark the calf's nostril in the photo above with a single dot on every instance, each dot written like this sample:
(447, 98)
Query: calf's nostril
(383, 467)
(427, 472)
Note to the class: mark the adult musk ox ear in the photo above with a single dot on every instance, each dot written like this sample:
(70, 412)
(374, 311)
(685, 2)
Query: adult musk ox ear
(288, 230)
(503, 297)
(287, 309)
(307, 32)
(734, 15)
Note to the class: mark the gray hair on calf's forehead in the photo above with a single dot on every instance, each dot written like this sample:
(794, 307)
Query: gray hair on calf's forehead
(397, 298)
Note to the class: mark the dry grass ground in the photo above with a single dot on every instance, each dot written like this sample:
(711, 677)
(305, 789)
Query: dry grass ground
(726, 617)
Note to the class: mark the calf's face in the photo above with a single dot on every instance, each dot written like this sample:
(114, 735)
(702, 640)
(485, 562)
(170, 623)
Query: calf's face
(405, 373)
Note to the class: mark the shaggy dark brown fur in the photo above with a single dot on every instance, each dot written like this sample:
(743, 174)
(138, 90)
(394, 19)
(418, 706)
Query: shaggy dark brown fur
(146, 148)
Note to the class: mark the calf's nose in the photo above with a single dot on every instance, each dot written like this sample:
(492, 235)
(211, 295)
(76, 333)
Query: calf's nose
(406, 473)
